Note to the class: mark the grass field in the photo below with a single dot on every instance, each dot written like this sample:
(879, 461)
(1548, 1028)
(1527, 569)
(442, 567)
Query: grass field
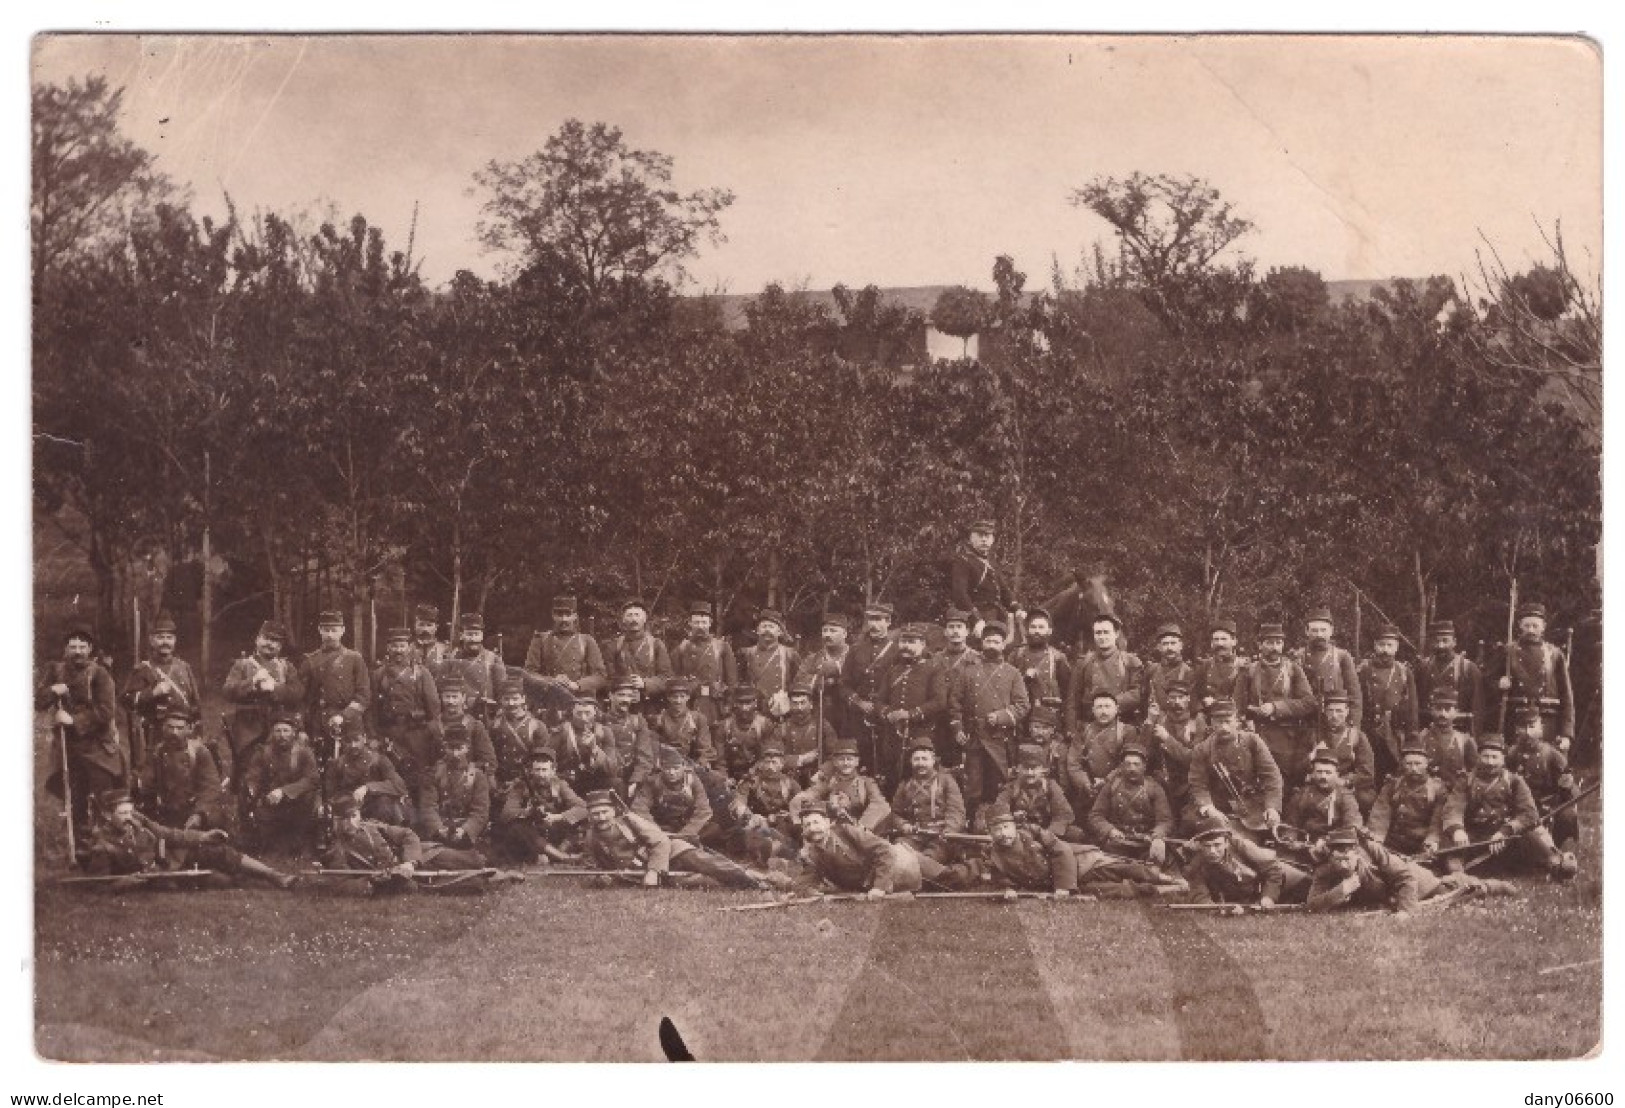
(553, 970)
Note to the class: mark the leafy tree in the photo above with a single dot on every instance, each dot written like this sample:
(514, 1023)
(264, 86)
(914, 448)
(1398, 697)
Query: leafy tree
(1289, 299)
(961, 312)
(595, 208)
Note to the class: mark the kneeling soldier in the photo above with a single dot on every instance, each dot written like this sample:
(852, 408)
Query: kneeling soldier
(126, 843)
(1493, 806)
(674, 798)
(1323, 802)
(368, 776)
(280, 788)
(183, 785)
(1360, 873)
(585, 749)
(631, 841)
(541, 815)
(1227, 868)
(1410, 805)
(849, 794)
(1131, 812)
(740, 735)
(455, 806)
(1034, 800)
(928, 804)
(1545, 769)
(762, 826)
(853, 859)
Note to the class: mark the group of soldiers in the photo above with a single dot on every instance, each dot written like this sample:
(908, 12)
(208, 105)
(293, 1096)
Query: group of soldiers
(872, 766)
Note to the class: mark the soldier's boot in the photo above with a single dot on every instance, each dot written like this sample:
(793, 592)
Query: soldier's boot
(1563, 866)
(256, 868)
(1496, 887)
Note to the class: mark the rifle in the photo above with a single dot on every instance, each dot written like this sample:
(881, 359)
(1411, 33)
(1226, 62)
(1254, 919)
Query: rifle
(144, 876)
(553, 872)
(1468, 848)
(1236, 909)
(795, 901)
(1512, 627)
(67, 779)
(430, 877)
(1254, 823)
(1009, 894)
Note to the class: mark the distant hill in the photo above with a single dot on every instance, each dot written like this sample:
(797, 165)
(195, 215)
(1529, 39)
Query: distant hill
(923, 298)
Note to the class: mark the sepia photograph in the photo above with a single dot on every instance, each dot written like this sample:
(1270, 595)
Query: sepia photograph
(814, 548)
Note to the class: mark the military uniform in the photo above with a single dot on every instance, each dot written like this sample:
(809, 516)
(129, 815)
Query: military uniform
(1173, 741)
(974, 586)
(1540, 678)
(1318, 810)
(741, 742)
(1451, 754)
(1248, 873)
(1093, 755)
(687, 732)
(481, 750)
(763, 826)
(1331, 669)
(802, 741)
(855, 859)
(1485, 803)
(1159, 675)
(253, 705)
(148, 707)
(290, 823)
(635, 842)
(1116, 671)
(1355, 763)
(770, 670)
(1545, 770)
(335, 677)
(96, 760)
(857, 796)
(183, 785)
(455, 800)
(862, 679)
(932, 804)
(1039, 806)
(1248, 763)
(1382, 879)
(993, 689)
(1453, 670)
(821, 670)
(587, 757)
(1389, 690)
(1046, 670)
(634, 746)
(1038, 861)
(356, 765)
(1407, 813)
(1130, 808)
(513, 740)
(406, 713)
(1289, 731)
(370, 845)
(572, 655)
(641, 655)
(682, 809)
(919, 688)
(145, 846)
(534, 817)
(710, 664)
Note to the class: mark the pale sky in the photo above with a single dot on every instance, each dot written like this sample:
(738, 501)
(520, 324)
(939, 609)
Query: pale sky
(900, 161)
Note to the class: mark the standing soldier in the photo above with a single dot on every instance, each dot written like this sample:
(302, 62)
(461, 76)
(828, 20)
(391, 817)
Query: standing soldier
(1389, 690)
(1409, 806)
(161, 682)
(708, 661)
(1537, 674)
(1352, 751)
(770, 665)
(81, 691)
(481, 671)
(1105, 667)
(1330, 668)
(740, 736)
(335, 677)
(1445, 665)
(1214, 677)
(427, 648)
(974, 585)
(586, 750)
(1046, 670)
(257, 686)
(566, 654)
(985, 715)
(913, 702)
(183, 780)
(638, 656)
(803, 739)
(280, 789)
(456, 804)
(367, 775)
(862, 677)
(406, 709)
(928, 803)
(1233, 776)
(1451, 753)
(823, 670)
(515, 732)
(952, 660)
(1274, 693)
(1168, 667)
